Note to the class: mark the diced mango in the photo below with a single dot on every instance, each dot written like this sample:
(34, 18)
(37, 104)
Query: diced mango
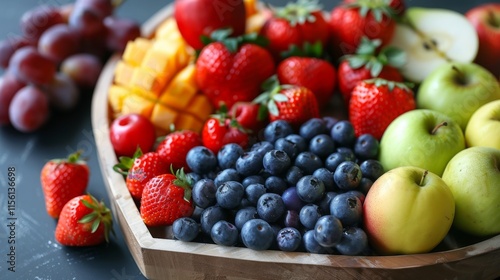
(186, 121)
(123, 73)
(250, 7)
(116, 95)
(200, 107)
(160, 63)
(163, 117)
(135, 50)
(167, 29)
(136, 104)
(147, 80)
(181, 89)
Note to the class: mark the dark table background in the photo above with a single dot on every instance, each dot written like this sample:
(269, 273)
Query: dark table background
(38, 256)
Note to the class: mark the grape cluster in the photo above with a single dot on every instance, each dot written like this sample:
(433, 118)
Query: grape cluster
(59, 54)
(293, 191)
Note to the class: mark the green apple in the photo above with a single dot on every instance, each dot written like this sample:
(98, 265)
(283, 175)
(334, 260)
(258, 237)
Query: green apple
(432, 37)
(483, 128)
(408, 210)
(458, 90)
(473, 177)
(421, 138)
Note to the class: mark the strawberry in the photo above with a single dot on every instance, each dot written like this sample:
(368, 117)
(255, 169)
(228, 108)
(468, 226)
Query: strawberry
(295, 25)
(376, 103)
(316, 74)
(233, 69)
(63, 179)
(220, 130)
(84, 222)
(175, 146)
(367, 64)
(352, 20)
(166, 198)
(247, 115)
(140, 169)
(398, 6)
(294, 104)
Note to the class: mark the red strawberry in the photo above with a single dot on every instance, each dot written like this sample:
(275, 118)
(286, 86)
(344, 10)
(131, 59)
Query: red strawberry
(140, 169)
(316, 74)
(247, 115)
(220, 130)
(294, 104)
(63, 179)
(376, 103)
(398, 6)
(232, 70)
(84, 222)
(166, 198)
(367, 64)
(295, 25)
(352, 20)
(174, 148)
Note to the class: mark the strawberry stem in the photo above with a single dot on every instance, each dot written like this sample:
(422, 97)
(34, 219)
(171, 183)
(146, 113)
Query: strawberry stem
(100, 215)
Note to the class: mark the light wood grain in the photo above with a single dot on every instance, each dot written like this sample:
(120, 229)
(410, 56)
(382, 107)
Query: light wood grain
(159, 257)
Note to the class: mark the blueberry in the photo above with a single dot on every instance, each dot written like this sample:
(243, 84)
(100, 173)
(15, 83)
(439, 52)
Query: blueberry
(275, 184)
(270, 207)
(253, 179)
(371, 169)
(203, 193)
(324, 204)
(288, 239)
(201, 160)
(358, 194)
(257, 234)
(194, 177)
(287, 146)
(329, 122)
(185, 229)
(343, 134)
(210, 216)
(322, 145)
(308, 162)
(224, 233)
(348, 153)
(312, 127)
(310, 189)
(354, 242)
(311, 245)
(328, 231)
(293, 175)
(262, 147)
(277, 129)
(365, 185)
(347, 175)
(334, 160)
(276, 162)
(243, 215)
(366, 147)
(250, 163)
(226, 175)
(253, 192)
(326, 176)
(292, 219)
(347, 208)
(299, 141)
(309, 215)
(230, 194)
(228, 155)
(291, 199)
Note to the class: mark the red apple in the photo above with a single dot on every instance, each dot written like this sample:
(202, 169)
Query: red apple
(486, 20)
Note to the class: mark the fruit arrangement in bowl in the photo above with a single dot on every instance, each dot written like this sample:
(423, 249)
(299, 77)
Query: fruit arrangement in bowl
(238, 137)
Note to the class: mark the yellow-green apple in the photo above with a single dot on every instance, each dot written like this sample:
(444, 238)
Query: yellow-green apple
(422, 138)
(431, 37)
(458, 90)
(483, 128)
(408, 210)
(486, 20)
(473, 176)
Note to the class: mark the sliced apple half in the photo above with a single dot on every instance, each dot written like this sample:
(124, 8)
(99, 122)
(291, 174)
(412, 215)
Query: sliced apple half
(431, 37)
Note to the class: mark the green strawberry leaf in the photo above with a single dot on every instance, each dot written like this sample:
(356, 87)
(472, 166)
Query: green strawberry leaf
(395, 57)
(273, 108)
(375, 68)
(299, 12)
(279, 97)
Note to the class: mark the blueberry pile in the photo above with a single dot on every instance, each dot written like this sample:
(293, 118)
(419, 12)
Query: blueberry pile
(293, 191)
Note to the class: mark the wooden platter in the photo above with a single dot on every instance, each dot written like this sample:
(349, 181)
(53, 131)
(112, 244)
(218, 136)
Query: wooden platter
(158, 256)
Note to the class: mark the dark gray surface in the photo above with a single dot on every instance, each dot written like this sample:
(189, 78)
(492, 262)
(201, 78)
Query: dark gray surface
(38, 256)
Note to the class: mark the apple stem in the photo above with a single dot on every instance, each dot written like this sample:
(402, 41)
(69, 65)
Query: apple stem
(423, 177)
(461, 76)
(492, 19)
(438, 126)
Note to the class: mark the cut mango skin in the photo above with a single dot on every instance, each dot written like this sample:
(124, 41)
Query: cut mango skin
(155, 77)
